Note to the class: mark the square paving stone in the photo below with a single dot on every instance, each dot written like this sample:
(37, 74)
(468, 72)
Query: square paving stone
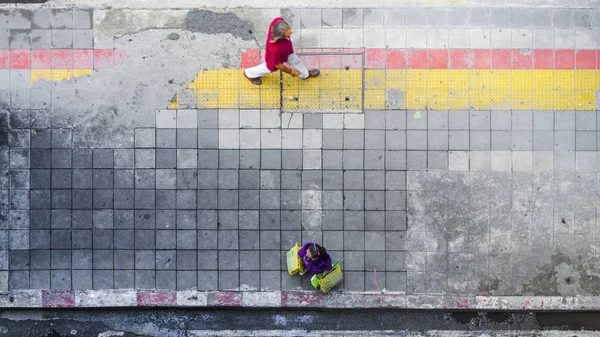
(166, 138)
(290, 159)
(123, 158)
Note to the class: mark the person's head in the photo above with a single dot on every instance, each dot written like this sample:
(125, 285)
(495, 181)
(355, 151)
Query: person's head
(314, 251)
(281, 30)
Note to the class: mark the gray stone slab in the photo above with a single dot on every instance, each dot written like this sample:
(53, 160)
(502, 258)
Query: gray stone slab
(437, 17)
(562, 18)
(521, 17)
(500, 17)
(83, 39)
(331, 18)
(62, 19)
(415, 17)
(541, 18)
(352, 17)
(310, 18)
(583, 18)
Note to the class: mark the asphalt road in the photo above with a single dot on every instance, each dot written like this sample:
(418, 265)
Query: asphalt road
(183, 323)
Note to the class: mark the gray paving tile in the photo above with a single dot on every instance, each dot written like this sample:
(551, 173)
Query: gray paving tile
(415, 17)
(583, 18)
(479, 17)
(521, 17)
(331, 18)
(458, 17)
(562, 18)
(310, 18)
(500, 17)
(352, 18)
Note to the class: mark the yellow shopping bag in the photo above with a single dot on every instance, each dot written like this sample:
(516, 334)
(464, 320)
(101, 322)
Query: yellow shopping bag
(330, 279)
(294, 262)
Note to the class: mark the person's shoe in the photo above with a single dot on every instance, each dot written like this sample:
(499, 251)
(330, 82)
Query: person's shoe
(313, 73)
(256, 81)
(303, 272)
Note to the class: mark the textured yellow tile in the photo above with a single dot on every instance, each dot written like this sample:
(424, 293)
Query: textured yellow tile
(416, 99)
(501, 99)
(270, 98)
(41, 74)
(271, 81)
(501, 79)
(522, 99)
(206, 98)
(330, 99)
(543, 79)
(458, 79)
(309, 100)
(395, 79)
(585, 79)
(438, 99)
(374, 79)
(543, 100)
(250, 98)
(479, 79)
(564, 100)
(351, 79)
(351, 99)
(438, 79)
(585, 99)
(330, 79)
(458, 99)
(229, 79)
(417, 79)
(374, 99)
(522, 79)
(206, 79)
(229, 98)
(289, 103)
(564, 79)
(61, 74)
(480, 99)
(174, 103)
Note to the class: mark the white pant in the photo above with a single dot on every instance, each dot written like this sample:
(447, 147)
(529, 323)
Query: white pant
(262, 70)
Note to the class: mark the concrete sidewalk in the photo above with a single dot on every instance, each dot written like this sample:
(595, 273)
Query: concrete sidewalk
(446, 156)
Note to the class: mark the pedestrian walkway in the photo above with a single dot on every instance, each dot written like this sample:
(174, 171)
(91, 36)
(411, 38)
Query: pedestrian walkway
(444, 155)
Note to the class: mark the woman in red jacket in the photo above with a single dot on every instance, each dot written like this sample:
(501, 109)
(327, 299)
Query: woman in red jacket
(279, 51)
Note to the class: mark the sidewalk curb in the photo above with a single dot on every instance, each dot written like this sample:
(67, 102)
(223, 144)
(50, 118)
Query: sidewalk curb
(285, 299)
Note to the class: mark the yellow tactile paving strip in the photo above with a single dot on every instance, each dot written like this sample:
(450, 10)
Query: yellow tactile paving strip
(57, 74)
(438, 89)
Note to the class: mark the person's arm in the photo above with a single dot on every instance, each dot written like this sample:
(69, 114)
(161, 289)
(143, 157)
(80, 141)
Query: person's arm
(287, 70)
(302, 250)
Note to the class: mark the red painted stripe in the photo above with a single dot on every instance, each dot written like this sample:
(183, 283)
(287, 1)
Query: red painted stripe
(83, 59)
(460, 59)
(150, 299)
(522, 59)
(103, 58)
(58, 298)
(375, 58)
(451, 58)
(437, 58)
(395, 59)
(41, 59)
(585, 59)
(60, 58)
(250, 58)
(417, 58)
(543, 59)
(564, 59)
(4, 58)
(20, 58)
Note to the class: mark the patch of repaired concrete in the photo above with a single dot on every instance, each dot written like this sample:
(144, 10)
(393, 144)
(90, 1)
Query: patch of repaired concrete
(207, 22)
(394, 99)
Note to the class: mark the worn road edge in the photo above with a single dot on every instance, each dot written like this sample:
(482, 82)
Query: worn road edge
(285, 299)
